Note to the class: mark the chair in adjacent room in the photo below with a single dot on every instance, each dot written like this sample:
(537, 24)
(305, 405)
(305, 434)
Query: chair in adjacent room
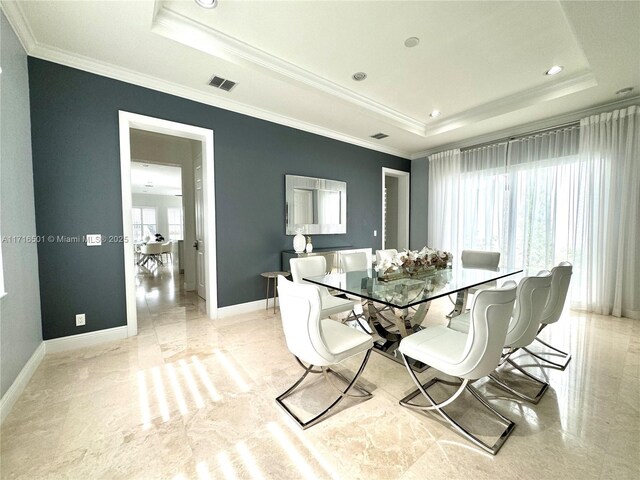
(167, 250)
(318, 342)
(560, 279)
(531, 296)
(151, 252)
(467, 356)
(317, 266)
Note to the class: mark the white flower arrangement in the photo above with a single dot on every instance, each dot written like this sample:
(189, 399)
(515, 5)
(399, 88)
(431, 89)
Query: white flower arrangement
(414, 261)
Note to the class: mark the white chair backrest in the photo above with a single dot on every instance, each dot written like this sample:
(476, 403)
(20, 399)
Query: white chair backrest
(151, 249)
(531, 297)
(560, 278)
(480, 259)
(300, 307)
(383, 254)
(313, 266)
(354, 262)
(166, 247)
(490, 315)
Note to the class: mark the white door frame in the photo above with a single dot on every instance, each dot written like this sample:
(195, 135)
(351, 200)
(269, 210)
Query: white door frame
(127, 121)
(404, 182)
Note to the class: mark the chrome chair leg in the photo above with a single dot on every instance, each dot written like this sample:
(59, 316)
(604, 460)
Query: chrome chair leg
(422, 389)
(343, 393)
(502, 384)
(535, 399)
(559, 353)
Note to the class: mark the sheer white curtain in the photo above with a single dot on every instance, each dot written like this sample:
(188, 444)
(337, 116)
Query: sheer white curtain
(569, 194)
(466, 197)
(545, 185)
(607, 254)
(442, 222)
(482, 198)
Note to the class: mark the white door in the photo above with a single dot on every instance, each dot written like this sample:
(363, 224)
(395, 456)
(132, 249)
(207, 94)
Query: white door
(199, 243)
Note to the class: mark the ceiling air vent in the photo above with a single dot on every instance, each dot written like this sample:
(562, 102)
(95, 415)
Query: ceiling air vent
(379, 136)
(222, 83)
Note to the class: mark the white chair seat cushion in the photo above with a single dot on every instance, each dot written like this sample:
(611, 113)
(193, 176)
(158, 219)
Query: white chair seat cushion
(332, 305)
(438, 346)
(460, 323)
(343, 341)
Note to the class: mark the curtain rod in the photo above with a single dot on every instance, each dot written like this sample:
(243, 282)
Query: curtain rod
(575, 123)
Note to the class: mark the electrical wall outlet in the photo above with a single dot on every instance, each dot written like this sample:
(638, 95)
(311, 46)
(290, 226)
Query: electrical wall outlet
(80, 320)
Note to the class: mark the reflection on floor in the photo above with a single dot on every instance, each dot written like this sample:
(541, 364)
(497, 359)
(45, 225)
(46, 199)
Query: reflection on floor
(191, 398)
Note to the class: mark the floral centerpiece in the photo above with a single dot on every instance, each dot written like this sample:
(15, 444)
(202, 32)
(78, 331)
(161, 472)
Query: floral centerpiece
(413, 262)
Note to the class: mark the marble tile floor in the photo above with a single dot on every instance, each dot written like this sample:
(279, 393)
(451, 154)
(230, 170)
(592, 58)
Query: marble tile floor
(191, 398)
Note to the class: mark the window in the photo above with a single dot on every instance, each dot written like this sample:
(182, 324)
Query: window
(174, 216)
(144, 223)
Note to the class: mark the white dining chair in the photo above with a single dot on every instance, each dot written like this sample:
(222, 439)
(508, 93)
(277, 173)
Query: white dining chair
(531, 296)
(385, 254)
(477, 259)
(356, 262)
(560, 279)
(467, 356)
(483, 260)
(318, 342)
(313, 267)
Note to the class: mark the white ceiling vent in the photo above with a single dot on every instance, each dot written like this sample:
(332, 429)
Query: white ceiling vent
(222, 83)
(379, 136)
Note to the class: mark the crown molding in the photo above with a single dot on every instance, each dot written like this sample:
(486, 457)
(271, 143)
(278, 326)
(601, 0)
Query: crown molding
(13, 11)
(193, 34)
(15, 16)
(525, 128)
(568, 85)
(129, 76)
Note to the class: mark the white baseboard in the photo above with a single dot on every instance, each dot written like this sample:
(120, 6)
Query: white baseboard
(83, 340)
(15, 390)
(240, 308)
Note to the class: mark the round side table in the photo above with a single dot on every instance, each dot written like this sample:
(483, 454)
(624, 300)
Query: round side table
(269, 276)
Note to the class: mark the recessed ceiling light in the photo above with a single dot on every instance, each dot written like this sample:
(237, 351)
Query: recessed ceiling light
(435, 113)
(411, 42)
(359, 76)
(556, 69)
(207, 3)
(624, 91)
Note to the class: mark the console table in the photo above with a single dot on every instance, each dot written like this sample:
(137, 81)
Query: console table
(332, 256)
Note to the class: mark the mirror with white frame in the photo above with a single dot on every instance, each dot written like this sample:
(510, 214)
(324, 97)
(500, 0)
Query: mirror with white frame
(315, 205)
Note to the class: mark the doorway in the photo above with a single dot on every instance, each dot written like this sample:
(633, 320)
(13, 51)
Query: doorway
(128, 121)
(395, 209)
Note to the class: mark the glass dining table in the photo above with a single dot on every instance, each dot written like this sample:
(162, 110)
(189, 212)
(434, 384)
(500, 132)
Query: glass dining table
(395, 308)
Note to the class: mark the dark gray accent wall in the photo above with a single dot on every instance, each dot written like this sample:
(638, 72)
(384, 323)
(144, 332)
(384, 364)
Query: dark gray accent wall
(77, 190)
(419, 203)
(20, 326)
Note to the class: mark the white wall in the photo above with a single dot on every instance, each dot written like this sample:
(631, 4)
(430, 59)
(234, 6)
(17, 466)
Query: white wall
(20, 321)
(161, 204)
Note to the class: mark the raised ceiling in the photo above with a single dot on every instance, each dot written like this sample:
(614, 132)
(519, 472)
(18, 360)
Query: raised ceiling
(480, 63)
